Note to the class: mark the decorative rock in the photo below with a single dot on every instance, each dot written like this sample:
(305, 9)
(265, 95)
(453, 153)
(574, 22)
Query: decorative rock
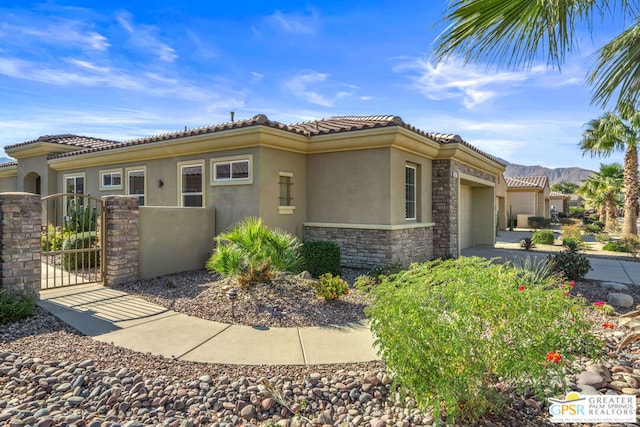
(619, 368)
(587, 389)
(305, 275)
(248, 412)
(592, 379)
(618, 299)
(267, 403)
(614, 286)
(631, 391)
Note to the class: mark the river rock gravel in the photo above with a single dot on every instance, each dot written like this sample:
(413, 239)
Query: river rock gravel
(51, 375)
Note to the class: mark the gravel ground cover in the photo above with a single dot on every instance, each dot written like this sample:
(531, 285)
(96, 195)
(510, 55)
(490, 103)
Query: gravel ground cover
(51, 375)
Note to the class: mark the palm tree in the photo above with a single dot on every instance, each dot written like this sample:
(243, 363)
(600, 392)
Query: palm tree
(615, 132)
(565, 187)
(517, 32)
(603, 191)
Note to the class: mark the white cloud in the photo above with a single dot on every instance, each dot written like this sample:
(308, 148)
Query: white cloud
(144, 37)
(455, 80)
(256, 77)
(309, 85)
(293, 23)
(60, 32)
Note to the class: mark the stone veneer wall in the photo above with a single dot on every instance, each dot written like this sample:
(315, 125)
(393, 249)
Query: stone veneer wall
(445, 204)
(20, 221)
(368, 248)
(122, 239)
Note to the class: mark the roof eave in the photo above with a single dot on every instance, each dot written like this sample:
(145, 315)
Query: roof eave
(38, 148)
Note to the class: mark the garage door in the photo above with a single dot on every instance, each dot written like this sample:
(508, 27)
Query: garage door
(465, 217)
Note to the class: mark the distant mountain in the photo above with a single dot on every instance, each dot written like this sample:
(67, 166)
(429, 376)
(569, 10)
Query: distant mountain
(6, 160)
(573, 174)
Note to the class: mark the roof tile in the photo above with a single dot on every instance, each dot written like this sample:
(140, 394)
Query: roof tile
(526, 181)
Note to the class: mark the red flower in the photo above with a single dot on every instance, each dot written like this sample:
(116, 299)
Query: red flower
(573, 284)
(567, 294)
(554, 357)
(598, 303)
(608, 325)
(521, 288)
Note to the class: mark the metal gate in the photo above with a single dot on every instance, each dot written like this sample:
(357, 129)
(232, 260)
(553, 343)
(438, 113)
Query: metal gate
(72, 240)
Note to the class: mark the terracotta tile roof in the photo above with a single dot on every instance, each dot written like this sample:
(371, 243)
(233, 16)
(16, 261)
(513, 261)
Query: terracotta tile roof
(8, 164)
(526, 181)
(352, 123)
(336, 124)
(70, 140)
(558, 195)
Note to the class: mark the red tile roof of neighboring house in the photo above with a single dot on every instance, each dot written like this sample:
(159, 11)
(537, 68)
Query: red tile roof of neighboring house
(526, 181)
(79, 141)
(8, 164)
(336, 124)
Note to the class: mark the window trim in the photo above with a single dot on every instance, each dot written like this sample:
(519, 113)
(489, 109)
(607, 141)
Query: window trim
(127, 184)
(182, 165)
(285, 209)
(111, 172)
(415, 193)
(231, 159)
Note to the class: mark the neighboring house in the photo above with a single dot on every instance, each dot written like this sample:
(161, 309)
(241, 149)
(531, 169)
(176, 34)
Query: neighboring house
(528, 196)
(383, 190)
(560, 201)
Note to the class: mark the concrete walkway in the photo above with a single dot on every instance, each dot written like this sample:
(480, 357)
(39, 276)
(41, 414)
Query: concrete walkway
(125, 320)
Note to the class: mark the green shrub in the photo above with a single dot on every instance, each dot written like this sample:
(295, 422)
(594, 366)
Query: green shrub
(53, 239)
(85, 259)
(331, 287)
(544, 237)
(570, 264)
(538, 222)
(252, 252)
(533, 272)
(15, 307)
(367, 281)
(572, 244)
(603, 237)
(573, 231)
(594, 228)
(450, 330)
(630, 244)
(321, 257)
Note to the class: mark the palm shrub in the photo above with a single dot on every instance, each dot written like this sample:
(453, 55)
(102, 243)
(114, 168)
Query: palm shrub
(448, 330)
(252, 252)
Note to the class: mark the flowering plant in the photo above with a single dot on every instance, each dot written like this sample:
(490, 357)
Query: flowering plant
(331, 287)
(608, 325)
(554, 357)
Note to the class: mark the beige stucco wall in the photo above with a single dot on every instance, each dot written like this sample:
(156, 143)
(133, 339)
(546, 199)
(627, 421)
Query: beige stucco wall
(169, 245)
(350, 187)
(522, 202)
(272, 162)
(399, 159)
(8, 184)
(36, 165)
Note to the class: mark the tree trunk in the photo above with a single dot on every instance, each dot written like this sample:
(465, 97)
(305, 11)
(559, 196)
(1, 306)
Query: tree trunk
(610, 217)
(630, 225)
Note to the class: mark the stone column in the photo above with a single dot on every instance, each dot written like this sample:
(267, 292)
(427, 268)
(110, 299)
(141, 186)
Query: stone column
(122, 239)
(20, 221)
(445, 209)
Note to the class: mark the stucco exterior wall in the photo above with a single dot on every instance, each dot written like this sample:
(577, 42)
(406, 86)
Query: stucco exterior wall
(400, 159)
(168, 244)
(521, 202)
(350, 187)
(272, 163)
(8, 184)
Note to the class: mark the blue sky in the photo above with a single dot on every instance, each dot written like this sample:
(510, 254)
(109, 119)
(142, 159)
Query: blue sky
(121, 70)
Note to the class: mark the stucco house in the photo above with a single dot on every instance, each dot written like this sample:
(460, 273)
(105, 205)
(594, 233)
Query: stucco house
(385, 191)
(528, 196)
(559, 201)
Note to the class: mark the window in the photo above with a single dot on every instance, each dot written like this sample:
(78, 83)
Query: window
(74, 184)
(136, 183)
(410, 192)
(286, 181)
(191, 183)
(285, 204)
(111, 179)
(232, 170)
